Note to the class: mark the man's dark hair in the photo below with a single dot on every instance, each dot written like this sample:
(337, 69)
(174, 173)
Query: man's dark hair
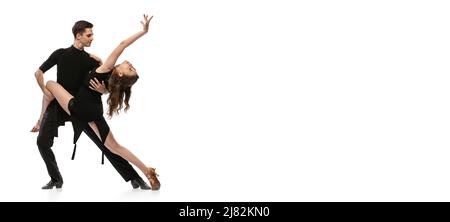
(80, 26)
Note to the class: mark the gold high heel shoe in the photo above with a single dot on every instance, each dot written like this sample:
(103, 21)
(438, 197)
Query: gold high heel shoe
(152, 177)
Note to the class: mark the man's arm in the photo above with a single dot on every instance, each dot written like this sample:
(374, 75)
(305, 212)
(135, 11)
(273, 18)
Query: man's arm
(96, 85)
(98, 59)
(40, 81)
(48, 64)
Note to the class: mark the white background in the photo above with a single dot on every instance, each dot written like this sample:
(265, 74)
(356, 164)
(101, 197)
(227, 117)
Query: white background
(245, 100)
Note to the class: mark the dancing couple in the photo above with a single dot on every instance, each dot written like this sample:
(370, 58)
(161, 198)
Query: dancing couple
(82, 79)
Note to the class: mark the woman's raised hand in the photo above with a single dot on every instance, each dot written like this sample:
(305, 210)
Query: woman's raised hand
(146, 23)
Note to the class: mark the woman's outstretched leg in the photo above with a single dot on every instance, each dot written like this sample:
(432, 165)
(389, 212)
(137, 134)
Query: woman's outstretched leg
(118, 149)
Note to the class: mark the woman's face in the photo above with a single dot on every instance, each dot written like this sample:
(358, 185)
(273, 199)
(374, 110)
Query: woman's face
(126, 68)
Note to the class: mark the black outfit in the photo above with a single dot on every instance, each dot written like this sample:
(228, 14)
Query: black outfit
(72, 67)
(87, 106)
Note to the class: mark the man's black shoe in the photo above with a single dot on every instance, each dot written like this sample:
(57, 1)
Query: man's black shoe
(51, 184)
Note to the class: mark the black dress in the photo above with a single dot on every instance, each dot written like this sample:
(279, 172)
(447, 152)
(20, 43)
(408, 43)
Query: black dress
(87, 107)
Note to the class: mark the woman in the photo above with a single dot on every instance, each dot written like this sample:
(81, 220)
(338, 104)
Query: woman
(86, 107)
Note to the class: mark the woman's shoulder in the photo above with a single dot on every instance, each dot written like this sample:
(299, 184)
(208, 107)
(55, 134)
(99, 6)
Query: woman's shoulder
(102, 70)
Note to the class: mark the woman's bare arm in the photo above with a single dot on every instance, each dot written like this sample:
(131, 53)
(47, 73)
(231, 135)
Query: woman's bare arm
(108, 65)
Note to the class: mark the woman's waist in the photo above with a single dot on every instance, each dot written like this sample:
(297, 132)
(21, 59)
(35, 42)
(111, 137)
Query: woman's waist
(86, 109)
(89, 95)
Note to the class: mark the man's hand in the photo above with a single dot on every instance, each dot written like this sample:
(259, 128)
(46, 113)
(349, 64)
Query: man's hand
(97, 86)
(99, 60)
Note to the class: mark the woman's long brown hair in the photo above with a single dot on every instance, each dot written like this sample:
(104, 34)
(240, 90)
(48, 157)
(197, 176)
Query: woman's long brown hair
(119, 88)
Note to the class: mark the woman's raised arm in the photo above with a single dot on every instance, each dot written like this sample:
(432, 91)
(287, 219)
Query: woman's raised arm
(108, 65)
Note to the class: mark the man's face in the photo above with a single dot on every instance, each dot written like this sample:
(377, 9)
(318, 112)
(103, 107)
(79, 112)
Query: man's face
(86, 38)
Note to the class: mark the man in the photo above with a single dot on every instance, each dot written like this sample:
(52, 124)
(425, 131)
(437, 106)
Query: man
(73, 64)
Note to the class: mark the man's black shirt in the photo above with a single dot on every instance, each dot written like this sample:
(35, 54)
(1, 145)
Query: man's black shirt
(73, 65)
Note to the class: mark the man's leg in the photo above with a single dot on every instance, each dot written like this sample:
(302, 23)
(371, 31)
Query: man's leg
(45, 138)
(120, 164)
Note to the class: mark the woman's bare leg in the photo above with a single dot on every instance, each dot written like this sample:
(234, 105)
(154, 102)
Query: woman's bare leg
(62, 96)
(116, 148)
(120, 150)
